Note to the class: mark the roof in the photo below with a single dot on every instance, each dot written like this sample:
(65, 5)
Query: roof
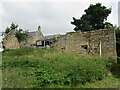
(48, 37)
(30, 34)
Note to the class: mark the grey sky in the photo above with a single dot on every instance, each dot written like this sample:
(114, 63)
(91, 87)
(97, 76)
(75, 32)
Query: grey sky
(53, 17)
(119, 13)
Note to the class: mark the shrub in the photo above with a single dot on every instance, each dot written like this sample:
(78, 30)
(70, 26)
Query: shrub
(62, 70)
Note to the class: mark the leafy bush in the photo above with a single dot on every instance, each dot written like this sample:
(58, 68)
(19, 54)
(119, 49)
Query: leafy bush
(118, 41)
(51, 68)
(20, 33)
(118, 60)
(62, 72)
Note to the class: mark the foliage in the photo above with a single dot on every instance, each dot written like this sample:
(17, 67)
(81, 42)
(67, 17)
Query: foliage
(71, 75)
(118, 41)
(13, 27)
(52, 68)
(7, 30)
(20, 33)
(21, 52)
(93, 18)
(108, 25)
(107, 82)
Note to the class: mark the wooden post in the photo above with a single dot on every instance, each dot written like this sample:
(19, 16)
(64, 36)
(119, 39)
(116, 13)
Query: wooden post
(44, 43)
(66, 43)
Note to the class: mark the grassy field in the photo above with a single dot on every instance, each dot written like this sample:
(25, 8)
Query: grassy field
(48, 68)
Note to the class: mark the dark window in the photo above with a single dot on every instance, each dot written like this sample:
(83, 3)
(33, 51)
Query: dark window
(85, 47)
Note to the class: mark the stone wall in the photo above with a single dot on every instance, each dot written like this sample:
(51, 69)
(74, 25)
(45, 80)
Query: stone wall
(32, 40)
(10, 42)
(95, 43)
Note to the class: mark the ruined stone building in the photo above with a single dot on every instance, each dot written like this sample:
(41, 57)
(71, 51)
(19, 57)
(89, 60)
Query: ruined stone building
(95, 43)
(10, 41)
(34, 36)
(35, 39)
(47, 40)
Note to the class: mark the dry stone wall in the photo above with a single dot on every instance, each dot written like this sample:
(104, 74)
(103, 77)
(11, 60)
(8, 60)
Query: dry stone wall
(95, 43)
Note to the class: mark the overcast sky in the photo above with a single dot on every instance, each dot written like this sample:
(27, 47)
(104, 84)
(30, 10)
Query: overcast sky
(54, 16)
(119, 13)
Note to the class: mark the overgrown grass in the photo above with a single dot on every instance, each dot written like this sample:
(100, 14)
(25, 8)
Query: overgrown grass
(51, 68)
(27, 51)
(107, 82)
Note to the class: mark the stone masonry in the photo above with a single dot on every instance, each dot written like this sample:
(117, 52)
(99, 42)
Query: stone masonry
(95, 43)
(10, 41)
(34, 37)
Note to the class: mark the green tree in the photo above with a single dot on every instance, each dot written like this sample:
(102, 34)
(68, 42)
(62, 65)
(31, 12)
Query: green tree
(20, 33)
(94, 18)
(13, 27)
(7, 30)
(108, 25)
(118, 41)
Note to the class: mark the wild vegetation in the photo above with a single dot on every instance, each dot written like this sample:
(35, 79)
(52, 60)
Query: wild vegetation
(118, 41)
(93, 19)
(48, 68)
(20, 33)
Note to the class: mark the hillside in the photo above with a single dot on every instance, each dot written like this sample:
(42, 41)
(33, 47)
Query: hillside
(48, 68)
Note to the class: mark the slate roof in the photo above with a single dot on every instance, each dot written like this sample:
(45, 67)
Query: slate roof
(48, 37)
(30, 34)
